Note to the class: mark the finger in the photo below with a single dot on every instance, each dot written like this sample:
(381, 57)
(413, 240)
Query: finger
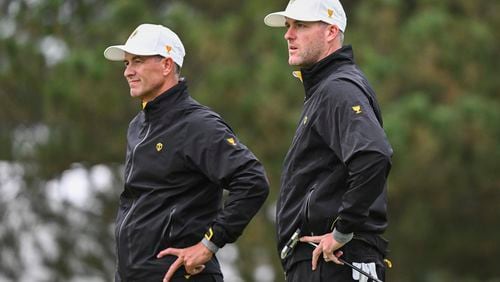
(313, 239)
(336, 260)
(315, 255)
(196, 270)
(330, 257)
(199, 268)
(172, 269)
(192, 269)
(169, 251)
(335, 257)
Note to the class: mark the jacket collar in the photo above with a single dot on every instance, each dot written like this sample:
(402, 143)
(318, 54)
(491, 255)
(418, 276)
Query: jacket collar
(314, 74)
(167, 100)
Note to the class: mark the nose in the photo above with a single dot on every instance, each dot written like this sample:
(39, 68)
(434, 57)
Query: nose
(289, 34)
(129, 71)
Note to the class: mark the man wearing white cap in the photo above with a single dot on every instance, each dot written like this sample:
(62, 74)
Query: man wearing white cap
(180, 157)
(333, 196)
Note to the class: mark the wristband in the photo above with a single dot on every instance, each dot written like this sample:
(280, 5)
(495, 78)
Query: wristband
(210, 245)
(342, 238)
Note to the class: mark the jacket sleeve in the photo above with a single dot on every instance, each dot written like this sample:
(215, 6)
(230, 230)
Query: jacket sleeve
(350, 127)
(225, 161)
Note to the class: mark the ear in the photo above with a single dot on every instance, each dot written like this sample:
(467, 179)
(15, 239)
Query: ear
(168, 66)
(331, 32)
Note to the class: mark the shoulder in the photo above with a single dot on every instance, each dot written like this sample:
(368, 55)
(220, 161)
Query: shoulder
(201, 119)
(340, 90)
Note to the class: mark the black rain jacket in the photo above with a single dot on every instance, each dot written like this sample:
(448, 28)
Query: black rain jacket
(334, 174)
(180, 158)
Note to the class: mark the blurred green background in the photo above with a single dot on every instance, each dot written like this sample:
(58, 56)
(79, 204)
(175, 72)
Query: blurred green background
(64, 111)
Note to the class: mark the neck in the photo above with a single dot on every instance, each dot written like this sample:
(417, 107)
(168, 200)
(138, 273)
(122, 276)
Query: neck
(330, 50)
(168, 83)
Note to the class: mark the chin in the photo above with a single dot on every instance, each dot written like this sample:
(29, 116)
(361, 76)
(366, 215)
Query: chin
(294, 61)
(135, 94)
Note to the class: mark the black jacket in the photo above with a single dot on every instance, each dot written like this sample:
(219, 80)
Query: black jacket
(180, 157)
(335, 171)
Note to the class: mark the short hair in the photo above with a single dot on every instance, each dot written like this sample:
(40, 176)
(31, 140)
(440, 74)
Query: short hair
(177, 69)
(341, 37)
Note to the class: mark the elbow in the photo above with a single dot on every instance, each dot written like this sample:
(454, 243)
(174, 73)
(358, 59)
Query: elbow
(371, 161)
(265, 188)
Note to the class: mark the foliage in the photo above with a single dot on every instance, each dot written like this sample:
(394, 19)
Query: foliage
(433, 65)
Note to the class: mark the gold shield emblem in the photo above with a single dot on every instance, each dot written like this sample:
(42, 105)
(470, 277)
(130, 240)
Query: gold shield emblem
(159, 146)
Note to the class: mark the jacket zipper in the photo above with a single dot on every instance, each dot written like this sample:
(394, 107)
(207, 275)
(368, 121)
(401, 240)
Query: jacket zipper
(129, 212)
(133, 153)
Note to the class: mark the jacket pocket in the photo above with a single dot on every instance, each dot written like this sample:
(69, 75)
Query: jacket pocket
(325, 201)
(149, 234)
(305, 212)
(167, 231)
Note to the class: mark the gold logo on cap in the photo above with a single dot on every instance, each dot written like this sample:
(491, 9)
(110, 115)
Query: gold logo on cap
(169, 48)
(159, 146)
(357, 109)
(330, 13)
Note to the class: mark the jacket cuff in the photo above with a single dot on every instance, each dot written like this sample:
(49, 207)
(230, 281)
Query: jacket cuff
(342, 238)
(211, 246)
(211, 241)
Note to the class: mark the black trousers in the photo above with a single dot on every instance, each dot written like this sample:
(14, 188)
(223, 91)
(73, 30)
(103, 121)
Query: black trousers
(200, 278)
(194, 278)
(356, 252)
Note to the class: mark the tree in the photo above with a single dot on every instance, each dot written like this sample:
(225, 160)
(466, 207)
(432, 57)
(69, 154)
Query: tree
(65, 110)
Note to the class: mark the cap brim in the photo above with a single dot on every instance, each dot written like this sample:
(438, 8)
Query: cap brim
(117, 52)
(278, 19)
(275, 19)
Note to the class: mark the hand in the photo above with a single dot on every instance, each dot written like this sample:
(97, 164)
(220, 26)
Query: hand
(193, 258)
(326, 247)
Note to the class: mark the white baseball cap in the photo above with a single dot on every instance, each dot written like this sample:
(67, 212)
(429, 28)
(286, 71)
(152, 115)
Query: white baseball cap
(328, 11)
(149, 40)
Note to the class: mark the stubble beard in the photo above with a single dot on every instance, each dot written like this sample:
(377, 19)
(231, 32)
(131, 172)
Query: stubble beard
(306, 58)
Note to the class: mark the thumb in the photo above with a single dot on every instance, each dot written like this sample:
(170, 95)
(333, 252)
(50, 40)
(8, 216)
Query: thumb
(169, 251)
(313, 239)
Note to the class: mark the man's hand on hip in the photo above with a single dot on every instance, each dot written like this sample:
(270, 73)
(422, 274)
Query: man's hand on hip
(326, 246)
(193, 258)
